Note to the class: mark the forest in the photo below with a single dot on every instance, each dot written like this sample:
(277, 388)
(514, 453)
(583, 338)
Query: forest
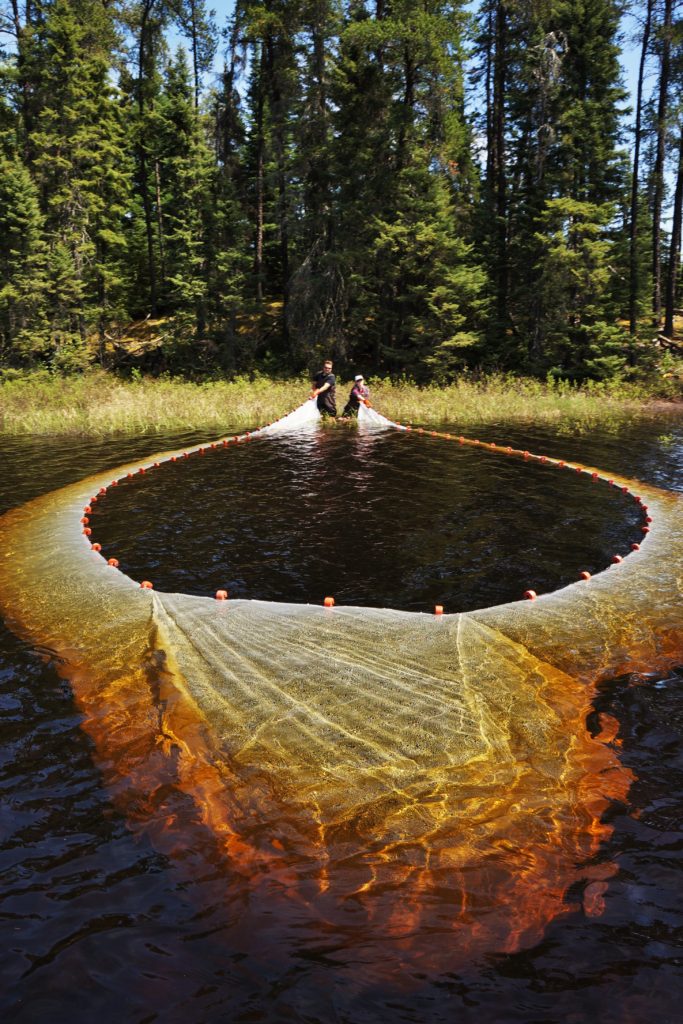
(416, 188)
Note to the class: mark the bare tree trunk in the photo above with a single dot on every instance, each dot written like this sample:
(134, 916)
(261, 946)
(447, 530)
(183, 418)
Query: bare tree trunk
(633, 225)
(260, 145)
(658, 175)
(497, 184)
(675, 251)
(278, 115)
(24, 83)
(488, 80)
(195, 53)
(142, 156)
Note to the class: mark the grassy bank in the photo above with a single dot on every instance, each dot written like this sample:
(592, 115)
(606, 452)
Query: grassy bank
(98, 405)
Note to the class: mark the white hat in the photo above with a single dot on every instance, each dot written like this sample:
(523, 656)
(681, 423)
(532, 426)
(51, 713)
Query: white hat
(359, 377)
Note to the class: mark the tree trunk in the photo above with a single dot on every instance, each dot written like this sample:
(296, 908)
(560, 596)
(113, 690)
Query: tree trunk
(278, 116)
(195, 53)
(497, 184)
(675, 251)
(24, 83)
(403, 155)
(658, 175)
(260, 145)
(488, 85)
(160, 223)
(144, 174)
(633, 226)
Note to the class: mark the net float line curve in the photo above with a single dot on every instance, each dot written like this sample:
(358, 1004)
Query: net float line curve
(388, 779)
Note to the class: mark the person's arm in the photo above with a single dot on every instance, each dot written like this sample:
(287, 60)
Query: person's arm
(323, 387)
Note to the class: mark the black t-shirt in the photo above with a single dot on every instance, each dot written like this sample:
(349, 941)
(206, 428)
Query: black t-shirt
(328, 398)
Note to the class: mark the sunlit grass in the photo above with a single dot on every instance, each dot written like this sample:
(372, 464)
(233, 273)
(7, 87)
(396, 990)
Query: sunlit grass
(98, 404)
(498, 398)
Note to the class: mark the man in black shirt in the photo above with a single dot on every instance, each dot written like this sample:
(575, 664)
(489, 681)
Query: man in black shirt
(324, 390)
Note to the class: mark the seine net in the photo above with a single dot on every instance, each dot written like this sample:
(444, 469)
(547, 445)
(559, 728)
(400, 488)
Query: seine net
(436, 769)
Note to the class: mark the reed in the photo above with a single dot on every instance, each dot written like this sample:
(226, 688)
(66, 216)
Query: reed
(509, 399)
(98, 404)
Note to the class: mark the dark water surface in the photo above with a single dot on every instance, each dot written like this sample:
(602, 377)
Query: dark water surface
(95, 923)
(382, 520)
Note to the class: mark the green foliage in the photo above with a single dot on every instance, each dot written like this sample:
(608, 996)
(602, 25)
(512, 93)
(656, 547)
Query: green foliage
(23, 280)
(98, 404)
(425, 284)
(334, 193)
(81, 169)
(185, 172)
(574, 273)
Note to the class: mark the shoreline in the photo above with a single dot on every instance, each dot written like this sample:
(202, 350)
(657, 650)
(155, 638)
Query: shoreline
(100, 405)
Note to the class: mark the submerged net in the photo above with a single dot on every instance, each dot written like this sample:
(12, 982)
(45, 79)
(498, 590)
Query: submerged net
(435, 771)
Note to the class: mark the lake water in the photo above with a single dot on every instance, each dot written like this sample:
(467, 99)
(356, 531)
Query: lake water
(98, 922)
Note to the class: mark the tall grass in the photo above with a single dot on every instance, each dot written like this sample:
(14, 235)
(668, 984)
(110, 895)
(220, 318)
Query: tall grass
(98, 404)
(505, 398)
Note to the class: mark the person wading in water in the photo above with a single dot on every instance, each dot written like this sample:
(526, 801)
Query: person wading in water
(360, 395)
(324, 390)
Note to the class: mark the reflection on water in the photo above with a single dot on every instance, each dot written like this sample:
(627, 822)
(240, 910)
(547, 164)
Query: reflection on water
(292, 864)
(390, 520)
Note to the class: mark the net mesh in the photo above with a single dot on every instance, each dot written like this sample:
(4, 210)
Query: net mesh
(438, 769)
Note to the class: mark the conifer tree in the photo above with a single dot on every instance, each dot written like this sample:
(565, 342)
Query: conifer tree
(82, 170)
(185, 169)
(316, 292)
(199, 26)
(673, 263)
(229, 259)
(141, 81)
(270, 32)
(405, 183)
(23, 320)
(580, 333)
(561, 116)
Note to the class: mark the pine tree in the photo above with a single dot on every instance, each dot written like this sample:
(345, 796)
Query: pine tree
(82, 170)
(424, 283)
(574, 277)
(199, 26)
(561, 116)
(316, 292)
(185, 169)
(405, 184)
(635, 276)
(270, 32)
(23, 320)
(229, 260)
(141, 82)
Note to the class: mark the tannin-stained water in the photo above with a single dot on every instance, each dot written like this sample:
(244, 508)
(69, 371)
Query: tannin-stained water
(387, 880)
(389, 520)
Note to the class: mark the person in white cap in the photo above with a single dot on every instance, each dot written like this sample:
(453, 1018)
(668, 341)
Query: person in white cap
(360, 395)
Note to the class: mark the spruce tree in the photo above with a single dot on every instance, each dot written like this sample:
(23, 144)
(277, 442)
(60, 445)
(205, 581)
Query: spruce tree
(185, 169)
(405, 185)
(24, 336)
(82, 171)
(562, 107)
